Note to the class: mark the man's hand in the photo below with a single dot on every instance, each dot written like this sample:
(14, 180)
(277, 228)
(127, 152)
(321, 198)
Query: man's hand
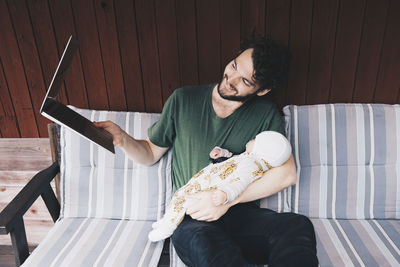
(204, 209)
(118, 134)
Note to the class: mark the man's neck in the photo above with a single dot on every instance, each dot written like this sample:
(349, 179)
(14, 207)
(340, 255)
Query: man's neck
(223, 107)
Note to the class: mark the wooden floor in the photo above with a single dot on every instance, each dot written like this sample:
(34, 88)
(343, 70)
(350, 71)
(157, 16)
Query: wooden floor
(20, 160)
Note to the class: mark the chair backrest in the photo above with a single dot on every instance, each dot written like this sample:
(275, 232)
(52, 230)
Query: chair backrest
(96, 183)
(348, 160)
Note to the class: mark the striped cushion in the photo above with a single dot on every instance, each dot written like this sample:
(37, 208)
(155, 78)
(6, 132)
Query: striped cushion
(358, 242)
(98, 184)
(96, 242)
(348, 160)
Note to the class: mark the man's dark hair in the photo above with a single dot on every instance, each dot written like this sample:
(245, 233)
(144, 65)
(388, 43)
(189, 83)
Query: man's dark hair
(270, 59)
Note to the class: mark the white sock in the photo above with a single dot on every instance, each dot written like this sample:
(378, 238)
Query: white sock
(160, 233)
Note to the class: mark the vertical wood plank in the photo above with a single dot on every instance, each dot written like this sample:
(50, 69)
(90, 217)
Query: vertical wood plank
(89, 48)
(300, 35)
(278, 26)
(15, 74)
(8, 120)
(129, 48)
(30, 59)
(208, 41)
(253, 18)
(187, 42)
(348, 34)
(46, 44)
(104, 10)
(147, 31)
(322, 47)
(167, 46)
(230, 34)
(370, 50)
(388, 83)
(63, 22)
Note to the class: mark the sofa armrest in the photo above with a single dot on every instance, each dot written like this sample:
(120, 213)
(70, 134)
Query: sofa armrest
(11, 217)
(38, 185)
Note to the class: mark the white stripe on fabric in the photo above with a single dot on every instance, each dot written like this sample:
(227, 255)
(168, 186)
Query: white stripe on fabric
(108, 243)
(160, 189)
(69, 242)
(379, 244)
(74, 252)
(360, 127)
(124, 203)
(323, 152)
(155, 256)
(372, 159)
(91, 173)
(101, 177)
(334, 178)
(136, 171)
(349, 243)
(119, 254)
(397, 115)
(145, 251)
(296, 143)
(335, 240)
(386, 236)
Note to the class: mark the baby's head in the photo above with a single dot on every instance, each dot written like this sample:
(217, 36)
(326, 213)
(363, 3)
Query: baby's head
(271, 146)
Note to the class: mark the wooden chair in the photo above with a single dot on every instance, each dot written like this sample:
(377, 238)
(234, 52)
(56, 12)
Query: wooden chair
(76, 209)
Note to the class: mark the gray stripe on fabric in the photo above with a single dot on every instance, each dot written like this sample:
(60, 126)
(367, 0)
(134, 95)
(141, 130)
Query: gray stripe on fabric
(329, 115)
(367, 132)
(379, 161)
(314, 161)
(137, 251)
(384, 238)
(322, 255)
(358, 243)
(328, 238)
(392, 228)
(303, 146)
(99, 239)
(397, 116)
(71, 241)
(342, 162)
(352, 159)
(293, 137)
(44, 255)
(390, 167)
(355, 259)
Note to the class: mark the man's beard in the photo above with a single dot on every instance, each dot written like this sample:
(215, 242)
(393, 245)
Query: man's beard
(242, 98)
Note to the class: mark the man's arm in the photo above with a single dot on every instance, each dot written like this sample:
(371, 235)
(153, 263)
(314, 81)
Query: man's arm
(272, 182)
(140, 151)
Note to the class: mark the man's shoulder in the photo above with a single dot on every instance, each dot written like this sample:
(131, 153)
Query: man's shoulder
(192, 90)
(262, 104)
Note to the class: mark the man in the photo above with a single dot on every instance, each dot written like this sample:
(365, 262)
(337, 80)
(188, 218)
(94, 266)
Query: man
(196, 119)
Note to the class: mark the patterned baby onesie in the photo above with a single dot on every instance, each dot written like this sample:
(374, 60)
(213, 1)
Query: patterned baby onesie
(231, 176)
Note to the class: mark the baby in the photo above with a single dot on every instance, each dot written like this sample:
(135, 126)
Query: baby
(227, 179)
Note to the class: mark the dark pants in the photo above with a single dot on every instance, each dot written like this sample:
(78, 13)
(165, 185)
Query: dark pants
(246, 235)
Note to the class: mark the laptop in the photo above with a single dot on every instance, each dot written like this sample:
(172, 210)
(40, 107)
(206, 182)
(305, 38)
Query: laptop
(63, 115)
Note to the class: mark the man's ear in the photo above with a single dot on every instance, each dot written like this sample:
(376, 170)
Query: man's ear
(263, 92)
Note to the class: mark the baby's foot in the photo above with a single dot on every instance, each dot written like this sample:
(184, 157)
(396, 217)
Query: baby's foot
(160, 234)
(157, 224)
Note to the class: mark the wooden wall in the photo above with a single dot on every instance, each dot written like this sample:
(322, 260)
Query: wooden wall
(133, 54)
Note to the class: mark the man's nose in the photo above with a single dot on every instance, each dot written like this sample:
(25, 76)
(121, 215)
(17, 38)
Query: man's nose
(233, 78)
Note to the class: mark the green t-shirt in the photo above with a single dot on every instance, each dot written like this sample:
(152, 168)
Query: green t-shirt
(190, 126)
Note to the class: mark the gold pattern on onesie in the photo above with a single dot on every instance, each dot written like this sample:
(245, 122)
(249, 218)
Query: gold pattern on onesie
(228, 169)
(258, 172)
(192, 188)
(199, 173)
(209, 188)
(267, 164)
(178, 203)
(214, 170)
